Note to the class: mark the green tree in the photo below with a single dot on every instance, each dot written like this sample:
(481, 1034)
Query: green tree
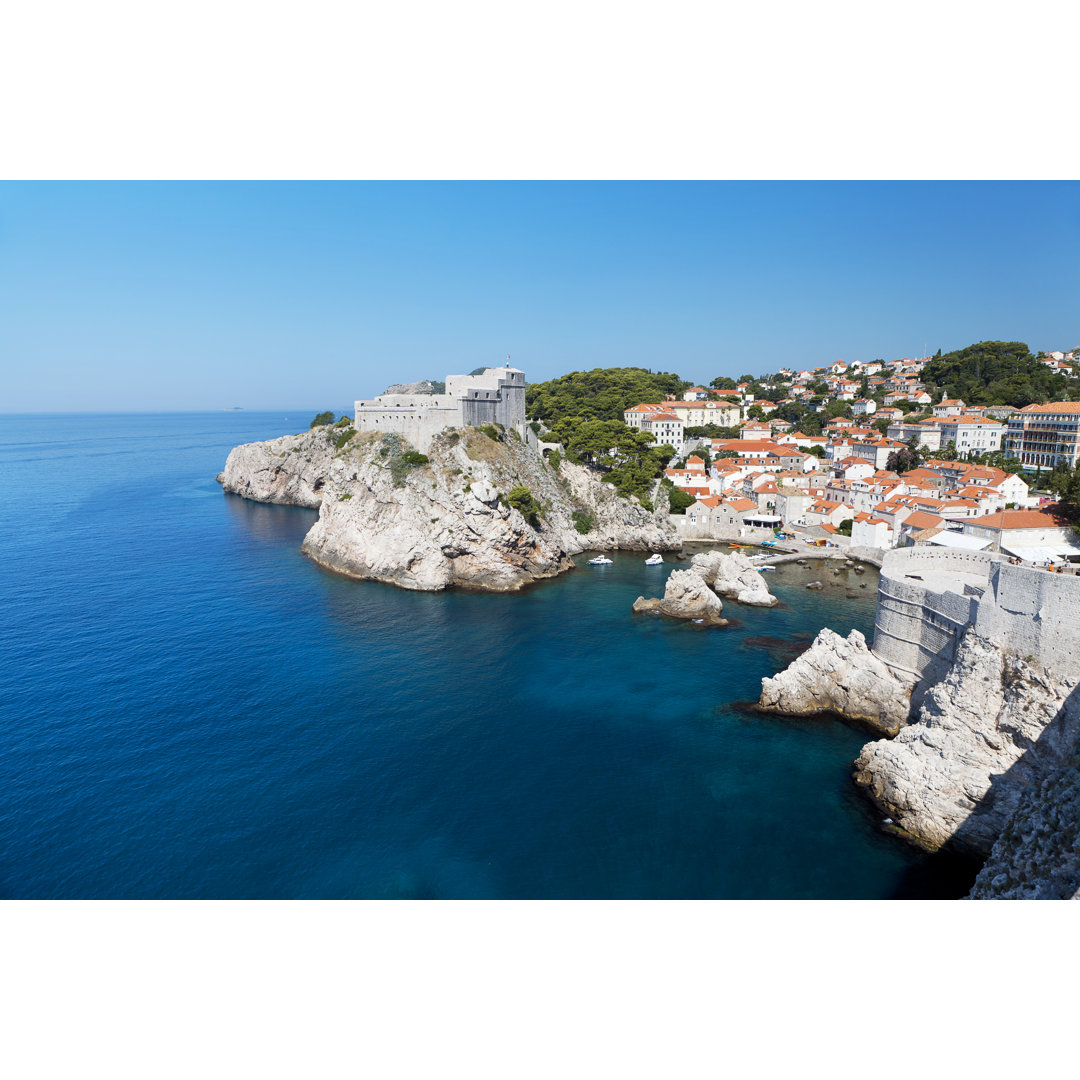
(523, 500)
(321, 419)
(995, 373)
(678, 500)
(599, 394)
(902, 461)
(1065, 484)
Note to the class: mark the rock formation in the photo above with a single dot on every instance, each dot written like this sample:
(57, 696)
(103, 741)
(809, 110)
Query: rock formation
(1037, 854)
(686, 596)
(982, 737)
(424, 386)
(430, 522)
(839, 675)
(734, 576)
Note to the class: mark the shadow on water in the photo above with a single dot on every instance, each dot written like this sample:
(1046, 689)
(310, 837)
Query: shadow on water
(941, 876)
(780, 650)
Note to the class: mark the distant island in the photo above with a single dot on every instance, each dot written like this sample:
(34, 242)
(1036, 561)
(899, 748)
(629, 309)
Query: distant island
(234, 408)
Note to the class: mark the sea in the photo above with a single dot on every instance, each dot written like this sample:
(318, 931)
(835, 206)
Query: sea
(191, 708)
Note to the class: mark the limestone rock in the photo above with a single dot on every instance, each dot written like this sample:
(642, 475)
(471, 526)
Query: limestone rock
(843, 676)
(734, 576)
(386, 517)
(686, 596)
(291, 470)
(1037, 854)
(983, 736)
(424, 386)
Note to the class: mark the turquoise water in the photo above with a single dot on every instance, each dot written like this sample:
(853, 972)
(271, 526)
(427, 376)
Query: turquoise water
(191, 708)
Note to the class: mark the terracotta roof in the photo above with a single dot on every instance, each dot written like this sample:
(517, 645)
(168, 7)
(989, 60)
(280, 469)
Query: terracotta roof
(1053, 407)
(1049, 517)
(922, 520)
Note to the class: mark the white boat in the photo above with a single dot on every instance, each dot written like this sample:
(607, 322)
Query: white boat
(654, 560)
(762, 569)
(600, 560)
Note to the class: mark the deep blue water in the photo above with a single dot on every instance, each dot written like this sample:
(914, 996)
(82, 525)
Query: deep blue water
(191, 708)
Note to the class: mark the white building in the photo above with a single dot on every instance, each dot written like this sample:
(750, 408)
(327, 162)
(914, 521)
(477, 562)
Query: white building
(495, 397)
(971, 434)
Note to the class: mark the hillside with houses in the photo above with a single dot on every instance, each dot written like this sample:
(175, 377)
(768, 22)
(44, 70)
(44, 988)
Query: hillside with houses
(877, 454)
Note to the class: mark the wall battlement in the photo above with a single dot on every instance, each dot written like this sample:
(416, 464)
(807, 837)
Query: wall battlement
(928, 598)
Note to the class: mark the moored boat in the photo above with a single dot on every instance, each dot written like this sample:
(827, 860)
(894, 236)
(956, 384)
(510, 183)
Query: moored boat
(654, 560)
(600, 560)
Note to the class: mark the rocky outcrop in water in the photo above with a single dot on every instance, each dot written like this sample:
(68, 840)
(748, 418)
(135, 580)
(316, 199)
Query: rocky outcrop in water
(983, 738)
(387, 513)
(289, 471)
(734, 576)
(686, 596)
(839, 675)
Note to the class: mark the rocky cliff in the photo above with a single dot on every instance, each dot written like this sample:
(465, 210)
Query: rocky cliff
(839, 675)
(985, 754)
(431, 522)
(1037, 854)
(983, 738)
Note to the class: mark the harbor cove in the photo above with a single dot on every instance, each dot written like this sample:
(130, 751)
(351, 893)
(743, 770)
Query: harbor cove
(194, 708)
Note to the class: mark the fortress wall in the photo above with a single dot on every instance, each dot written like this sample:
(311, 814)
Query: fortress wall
(418, 425)
(916, 626)
(1026, 612)
(1036, 614)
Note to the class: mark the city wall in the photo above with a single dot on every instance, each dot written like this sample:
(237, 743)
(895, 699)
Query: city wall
(928, 598)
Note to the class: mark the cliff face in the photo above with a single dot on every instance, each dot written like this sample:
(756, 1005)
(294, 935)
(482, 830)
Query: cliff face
(839, 675)
(1037, 855)
(981, 738)
(289, 471)
(387, 515)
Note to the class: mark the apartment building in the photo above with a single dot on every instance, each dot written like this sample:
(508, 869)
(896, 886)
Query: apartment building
(1043, 436)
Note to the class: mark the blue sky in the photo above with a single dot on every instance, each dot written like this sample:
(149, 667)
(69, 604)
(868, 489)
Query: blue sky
(185, 296)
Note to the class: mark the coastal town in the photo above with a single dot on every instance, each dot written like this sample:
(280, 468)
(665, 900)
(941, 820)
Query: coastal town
(893, 466)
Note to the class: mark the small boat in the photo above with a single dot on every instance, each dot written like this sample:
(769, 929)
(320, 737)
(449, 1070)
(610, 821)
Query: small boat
(600, 560)
(654, 560)
(762, 569)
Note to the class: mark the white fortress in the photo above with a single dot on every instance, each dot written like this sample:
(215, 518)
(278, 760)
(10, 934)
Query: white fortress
(495, 397)
(928, 597)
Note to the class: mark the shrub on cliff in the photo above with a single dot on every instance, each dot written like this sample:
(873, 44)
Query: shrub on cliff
(321, 419)
(584, 523)
(343, 438)
(522, 500)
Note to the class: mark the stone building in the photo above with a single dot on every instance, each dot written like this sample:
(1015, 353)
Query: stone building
(1045, 435)
(495, 397)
